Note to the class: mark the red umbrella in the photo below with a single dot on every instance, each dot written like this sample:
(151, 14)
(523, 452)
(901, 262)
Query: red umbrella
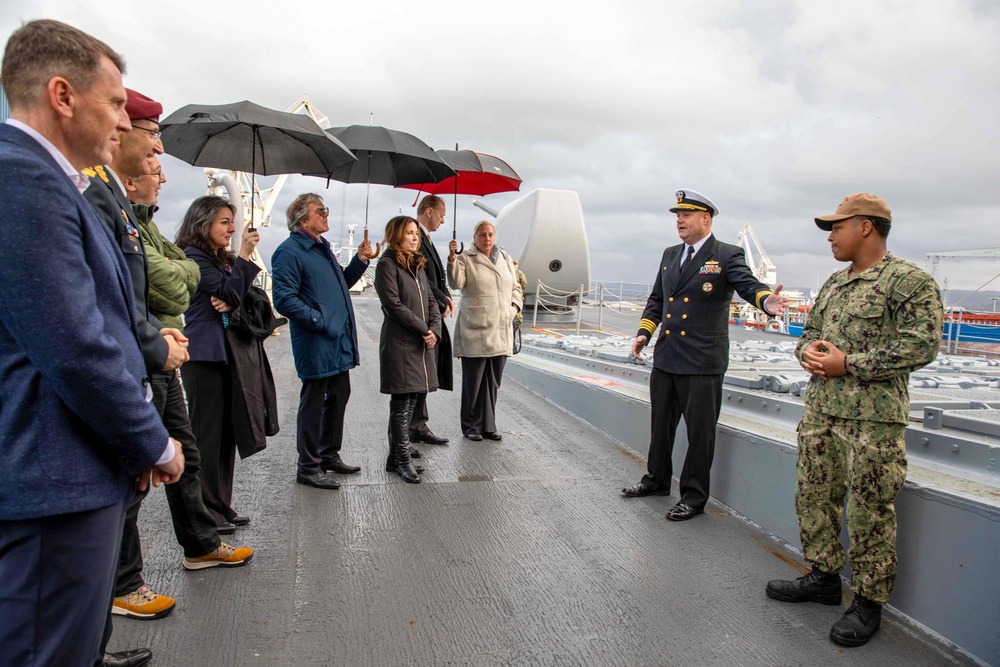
(476, 174)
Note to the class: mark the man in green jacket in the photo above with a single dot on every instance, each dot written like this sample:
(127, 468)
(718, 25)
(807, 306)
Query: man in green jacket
(173, 279)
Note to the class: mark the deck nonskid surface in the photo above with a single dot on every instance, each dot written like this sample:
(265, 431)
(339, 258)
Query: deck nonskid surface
(520, 552)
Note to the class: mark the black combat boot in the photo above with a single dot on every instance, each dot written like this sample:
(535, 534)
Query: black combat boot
(817, 586)
(859, 623)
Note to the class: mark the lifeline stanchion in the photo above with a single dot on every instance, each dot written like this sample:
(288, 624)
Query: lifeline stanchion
(538, 302)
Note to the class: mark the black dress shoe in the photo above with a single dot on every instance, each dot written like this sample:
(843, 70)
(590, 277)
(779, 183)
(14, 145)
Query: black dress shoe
(493, 436)
(642, 489)
(475, 437)
(133, 658)
(415, 453)
(859, 623)
(340, 467)
(817, 586)
(682, 512)
(226, 528)
(321, 480)
(240, 520)
(428, 437)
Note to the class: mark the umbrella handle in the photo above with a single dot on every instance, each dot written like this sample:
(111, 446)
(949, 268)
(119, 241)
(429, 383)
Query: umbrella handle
(378, 246)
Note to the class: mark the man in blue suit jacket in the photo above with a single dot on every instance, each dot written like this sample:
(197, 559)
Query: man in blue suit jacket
(75, 425)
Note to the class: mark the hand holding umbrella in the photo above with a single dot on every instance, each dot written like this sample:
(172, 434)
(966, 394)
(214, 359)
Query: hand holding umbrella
(365, 249)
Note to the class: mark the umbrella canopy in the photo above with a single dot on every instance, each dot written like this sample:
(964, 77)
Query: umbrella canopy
(247, 137)
(386, 157)
(476, 174)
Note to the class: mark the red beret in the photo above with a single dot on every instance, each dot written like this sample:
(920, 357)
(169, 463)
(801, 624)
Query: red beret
(140, 107)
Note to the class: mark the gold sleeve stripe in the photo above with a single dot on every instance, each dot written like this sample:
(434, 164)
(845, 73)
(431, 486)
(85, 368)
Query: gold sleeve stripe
(761, 296)
(648, 325)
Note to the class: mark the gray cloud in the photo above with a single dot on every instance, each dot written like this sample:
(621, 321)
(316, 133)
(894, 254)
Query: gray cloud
(777, 109)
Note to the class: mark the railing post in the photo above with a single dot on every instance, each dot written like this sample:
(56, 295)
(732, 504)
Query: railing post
(579, 310)
(600, 308)
(538, 302)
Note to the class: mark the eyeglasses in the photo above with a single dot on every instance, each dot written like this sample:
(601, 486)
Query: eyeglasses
(155, 133)
(322, 210)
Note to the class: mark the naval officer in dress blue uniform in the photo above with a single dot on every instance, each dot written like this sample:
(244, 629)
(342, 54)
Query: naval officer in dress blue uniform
(690, 300)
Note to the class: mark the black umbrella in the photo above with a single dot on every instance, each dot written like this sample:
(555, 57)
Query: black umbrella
(385, 157)
(247, 137)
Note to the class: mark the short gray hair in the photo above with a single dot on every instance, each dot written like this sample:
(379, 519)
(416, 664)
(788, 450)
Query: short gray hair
(298, 210)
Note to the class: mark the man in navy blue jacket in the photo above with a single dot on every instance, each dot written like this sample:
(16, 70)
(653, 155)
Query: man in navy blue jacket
(690, 301)
(76, 428)
(311, 290)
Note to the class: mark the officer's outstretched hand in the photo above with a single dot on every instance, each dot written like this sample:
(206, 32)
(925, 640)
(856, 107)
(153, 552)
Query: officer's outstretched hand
(637, 345)
(776, 303)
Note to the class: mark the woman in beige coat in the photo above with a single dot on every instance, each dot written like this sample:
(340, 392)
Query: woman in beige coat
(484, 332)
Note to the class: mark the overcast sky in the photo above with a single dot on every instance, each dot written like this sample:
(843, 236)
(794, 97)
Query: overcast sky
(775, 109)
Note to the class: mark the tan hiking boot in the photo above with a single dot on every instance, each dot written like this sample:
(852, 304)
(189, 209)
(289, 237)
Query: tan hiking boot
(224, 556)
(143, 604)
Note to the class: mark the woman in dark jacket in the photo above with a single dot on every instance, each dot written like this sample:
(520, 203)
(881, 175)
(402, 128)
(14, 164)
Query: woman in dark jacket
(208, 379)
(410, 330)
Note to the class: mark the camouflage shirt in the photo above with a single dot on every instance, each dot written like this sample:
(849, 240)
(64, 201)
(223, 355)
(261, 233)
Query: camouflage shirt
(888, 321)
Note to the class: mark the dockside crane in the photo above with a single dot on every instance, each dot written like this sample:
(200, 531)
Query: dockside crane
(764, 270)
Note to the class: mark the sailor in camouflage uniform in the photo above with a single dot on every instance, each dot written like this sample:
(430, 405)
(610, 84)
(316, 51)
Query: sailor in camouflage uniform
(694, 286)
(873, 323)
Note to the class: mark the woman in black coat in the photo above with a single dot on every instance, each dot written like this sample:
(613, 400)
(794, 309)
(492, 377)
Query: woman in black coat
(411, 329)
(208, 377)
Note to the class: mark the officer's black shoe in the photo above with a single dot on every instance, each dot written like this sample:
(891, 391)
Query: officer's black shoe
(817, 586)
(859, 623)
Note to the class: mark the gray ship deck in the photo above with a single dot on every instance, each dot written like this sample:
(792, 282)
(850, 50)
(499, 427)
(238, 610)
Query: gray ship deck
(513, 553)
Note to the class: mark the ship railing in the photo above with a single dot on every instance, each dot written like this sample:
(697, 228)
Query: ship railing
(969, 333)
(554, 301)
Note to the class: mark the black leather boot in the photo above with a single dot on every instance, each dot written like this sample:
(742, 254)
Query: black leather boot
(390, 460)
(817, 586)
(400, 413)
(861, 620)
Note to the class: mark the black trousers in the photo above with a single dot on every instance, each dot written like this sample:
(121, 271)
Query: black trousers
(697, 398)
(320, 421)
(481, 378)
(57, 578)
(196, 530)
(418, 422)
(209, 388)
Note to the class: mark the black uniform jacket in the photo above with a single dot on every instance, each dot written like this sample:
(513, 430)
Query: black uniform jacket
(692, 307)
(116, 211)
(438, 280)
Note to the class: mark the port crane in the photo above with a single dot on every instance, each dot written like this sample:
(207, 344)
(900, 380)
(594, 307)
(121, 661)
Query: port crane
(764, 270)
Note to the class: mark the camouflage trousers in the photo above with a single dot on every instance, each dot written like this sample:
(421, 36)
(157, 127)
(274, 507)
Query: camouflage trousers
(866, 463)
